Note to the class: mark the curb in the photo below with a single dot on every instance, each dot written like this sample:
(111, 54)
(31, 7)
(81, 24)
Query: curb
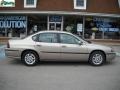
(2, 48)
(117, 53)
(2, 52)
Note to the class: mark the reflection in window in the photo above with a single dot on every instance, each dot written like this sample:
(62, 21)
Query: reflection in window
(58, 26)
(52, 26)
(48, 37)
(68, 39)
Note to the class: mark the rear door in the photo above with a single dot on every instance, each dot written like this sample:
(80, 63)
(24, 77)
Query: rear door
(48, 46)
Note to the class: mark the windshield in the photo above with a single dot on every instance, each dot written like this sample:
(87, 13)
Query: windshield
(29, 35)
(82, 39)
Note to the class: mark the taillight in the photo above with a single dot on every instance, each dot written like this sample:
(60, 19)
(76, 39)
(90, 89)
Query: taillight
(8, 46)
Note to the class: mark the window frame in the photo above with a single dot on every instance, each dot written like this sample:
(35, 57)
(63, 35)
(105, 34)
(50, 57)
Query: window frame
(119, 3)
(80, 7)
(30, 6)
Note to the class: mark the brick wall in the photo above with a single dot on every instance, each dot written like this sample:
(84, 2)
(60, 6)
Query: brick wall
(96, 6)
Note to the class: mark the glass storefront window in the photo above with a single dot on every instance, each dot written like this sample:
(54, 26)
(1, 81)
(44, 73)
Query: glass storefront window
(102, 28)
(52, 26)
(13, 26)
(36, 23)
(92, 28)
(71, 23)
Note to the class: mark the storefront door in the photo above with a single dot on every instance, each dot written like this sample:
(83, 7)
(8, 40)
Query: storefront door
(55, 26)
(55, 23)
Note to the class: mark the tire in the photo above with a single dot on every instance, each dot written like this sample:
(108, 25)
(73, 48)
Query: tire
(97, 58)
(30, 58)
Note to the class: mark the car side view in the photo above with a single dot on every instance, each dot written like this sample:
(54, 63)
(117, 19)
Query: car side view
(57, 46)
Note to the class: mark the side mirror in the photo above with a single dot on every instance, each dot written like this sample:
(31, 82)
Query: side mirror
(80, 43)
(89, 41)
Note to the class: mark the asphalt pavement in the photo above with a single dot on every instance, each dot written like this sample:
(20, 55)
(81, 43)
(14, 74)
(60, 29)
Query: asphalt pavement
(59, 75)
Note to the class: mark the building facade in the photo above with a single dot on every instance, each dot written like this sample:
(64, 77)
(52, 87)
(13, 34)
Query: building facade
(91, 19)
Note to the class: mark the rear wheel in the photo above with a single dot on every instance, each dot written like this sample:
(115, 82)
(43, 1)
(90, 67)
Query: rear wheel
(30, 58)
(97, 58)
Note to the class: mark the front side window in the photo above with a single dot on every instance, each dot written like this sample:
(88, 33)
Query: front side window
(30, 3)
(80, 4)
(48, 37)
(68, 39)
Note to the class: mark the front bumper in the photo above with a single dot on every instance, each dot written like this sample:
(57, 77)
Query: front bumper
(110, 56)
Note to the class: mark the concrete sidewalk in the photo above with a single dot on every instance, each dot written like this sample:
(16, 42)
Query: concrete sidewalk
(106, 42)
(2, 52)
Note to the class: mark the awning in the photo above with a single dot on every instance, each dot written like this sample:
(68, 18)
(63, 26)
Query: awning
(60, 13)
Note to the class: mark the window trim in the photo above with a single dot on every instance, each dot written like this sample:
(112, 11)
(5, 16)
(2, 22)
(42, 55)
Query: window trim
(80, 7)
(30, 6)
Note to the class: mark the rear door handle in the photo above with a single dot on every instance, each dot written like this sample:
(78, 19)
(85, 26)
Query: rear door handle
(39, 45)
(64, 46)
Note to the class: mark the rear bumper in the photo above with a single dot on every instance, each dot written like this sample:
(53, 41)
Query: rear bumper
(110, 56)
(12, 53)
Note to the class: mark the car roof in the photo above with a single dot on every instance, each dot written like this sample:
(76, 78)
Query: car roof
(52, 32)
(55, 31)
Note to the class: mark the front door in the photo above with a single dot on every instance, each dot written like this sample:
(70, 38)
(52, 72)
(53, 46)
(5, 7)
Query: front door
(70, 48)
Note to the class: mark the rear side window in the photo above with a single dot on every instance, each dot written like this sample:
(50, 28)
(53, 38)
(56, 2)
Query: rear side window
(35, 38)
(48, 37)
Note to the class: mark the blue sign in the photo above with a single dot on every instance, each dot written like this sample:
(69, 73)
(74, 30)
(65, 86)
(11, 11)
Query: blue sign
(104, 24)
(109, 29)
(55, 18)
(13, 22)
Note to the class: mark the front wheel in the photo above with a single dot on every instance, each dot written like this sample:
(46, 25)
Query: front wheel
(97, 58)
(30, 58)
